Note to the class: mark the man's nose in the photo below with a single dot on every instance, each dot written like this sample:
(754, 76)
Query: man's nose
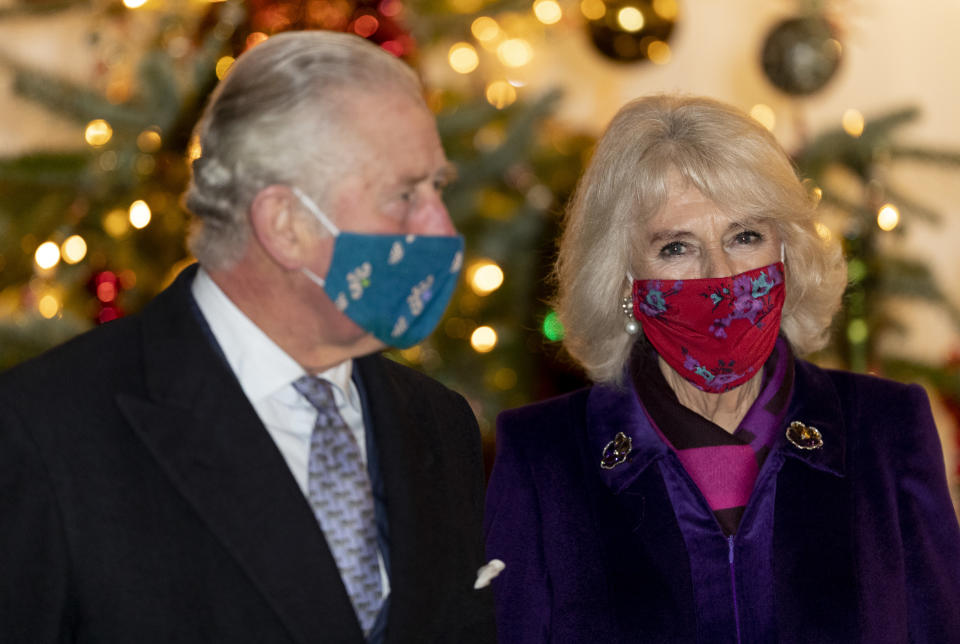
(432, 218)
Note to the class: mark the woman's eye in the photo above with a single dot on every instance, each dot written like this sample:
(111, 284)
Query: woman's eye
(748, 237)
(673, 249)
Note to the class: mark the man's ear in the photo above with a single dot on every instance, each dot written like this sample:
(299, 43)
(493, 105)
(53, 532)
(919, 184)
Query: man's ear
(278, 223)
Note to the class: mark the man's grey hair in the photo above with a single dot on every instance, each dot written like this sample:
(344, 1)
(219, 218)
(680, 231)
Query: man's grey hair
(277, 119)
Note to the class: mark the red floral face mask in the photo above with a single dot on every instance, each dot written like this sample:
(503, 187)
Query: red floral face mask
(715, 332)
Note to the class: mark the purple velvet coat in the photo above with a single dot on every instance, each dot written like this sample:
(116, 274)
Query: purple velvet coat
(861, 543)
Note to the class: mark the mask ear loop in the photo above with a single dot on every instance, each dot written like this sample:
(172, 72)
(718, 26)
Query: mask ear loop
(324, 221)
(315, 210)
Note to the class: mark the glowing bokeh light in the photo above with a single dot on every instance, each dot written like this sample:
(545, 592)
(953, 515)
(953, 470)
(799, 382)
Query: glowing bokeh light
(852, 122)
(366, 26)
(666, 9)
(98, 132)
(593, 9)
(630, 19)
(134, 4)
(463, 58)
(547, 11)
(483, 339)
(107, 291)
(552, 328)
(515, 52)
(858, 331)
(465, 6)
(659, 52)
(48, 306)
(47, 255)
(149, 141)
(254, 39)
(500, 94)
(116, 223)
(485, 29)
(139, 214)
(223, 66)
(485, 278)
(888, 217)
(73, 249)
(764, 115)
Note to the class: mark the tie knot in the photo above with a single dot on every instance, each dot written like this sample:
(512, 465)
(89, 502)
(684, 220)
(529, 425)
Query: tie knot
(317, 391)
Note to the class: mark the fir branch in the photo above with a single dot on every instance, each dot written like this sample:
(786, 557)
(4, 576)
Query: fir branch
(927, 155)
(74, 101)
(46, 169)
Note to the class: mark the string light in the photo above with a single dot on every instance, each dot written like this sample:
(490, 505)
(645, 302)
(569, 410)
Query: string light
(47, 255)
(139, 214)
(547, 11)
(483, 339)
(223, 66)
(116, 223)
(366, 25)
(666, 9)
(73, 249)
(485, 29)
(552, 328)
(463, 58)
(659, 52)
(48, 306)
(149, 141)
(485, 277)
(630, 19)
(852, 122)
(858, 331)
(500, 94)
(98, 132)
(593, 9)
(515, 52)
(254, 39)
(764, 115)
(888, 217)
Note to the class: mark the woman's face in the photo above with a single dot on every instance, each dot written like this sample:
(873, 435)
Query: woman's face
(691, 238)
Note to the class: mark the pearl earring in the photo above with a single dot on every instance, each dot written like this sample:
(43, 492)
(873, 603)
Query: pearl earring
(631, 326)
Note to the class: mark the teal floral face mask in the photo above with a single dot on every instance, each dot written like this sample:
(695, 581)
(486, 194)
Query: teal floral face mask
(395, 287)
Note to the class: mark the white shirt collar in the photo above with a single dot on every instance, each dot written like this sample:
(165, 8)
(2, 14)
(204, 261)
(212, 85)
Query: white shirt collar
(262, 367)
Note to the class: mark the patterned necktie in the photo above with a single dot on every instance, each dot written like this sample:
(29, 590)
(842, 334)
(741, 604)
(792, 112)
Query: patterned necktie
(339, 491)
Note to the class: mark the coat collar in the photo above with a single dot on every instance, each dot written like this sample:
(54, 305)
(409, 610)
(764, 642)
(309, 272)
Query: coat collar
(200, 427)
(612, 410)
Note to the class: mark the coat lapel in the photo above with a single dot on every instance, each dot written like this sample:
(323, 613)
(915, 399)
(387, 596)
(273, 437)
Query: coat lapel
(407, 436)
(643, 538)
(813, 553)
(207, 437)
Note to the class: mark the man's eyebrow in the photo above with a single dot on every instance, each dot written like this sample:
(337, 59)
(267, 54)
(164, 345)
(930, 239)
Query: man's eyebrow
(448, 174)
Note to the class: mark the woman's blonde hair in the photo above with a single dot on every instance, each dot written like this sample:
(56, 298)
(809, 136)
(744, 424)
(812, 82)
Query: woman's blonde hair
(733, 161)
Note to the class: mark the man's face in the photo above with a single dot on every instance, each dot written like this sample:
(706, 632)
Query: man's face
(394, 180)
